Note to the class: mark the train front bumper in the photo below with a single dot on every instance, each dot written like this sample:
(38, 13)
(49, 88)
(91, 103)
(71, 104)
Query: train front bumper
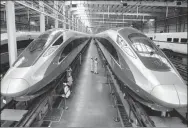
(169, 96)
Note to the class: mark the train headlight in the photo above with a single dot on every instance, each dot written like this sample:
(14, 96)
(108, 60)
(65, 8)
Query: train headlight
(50, 51)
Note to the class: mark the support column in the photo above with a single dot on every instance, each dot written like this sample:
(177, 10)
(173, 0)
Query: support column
(11, 29)
(56, 13)
(82, 27)
(76, 23)
(42, 17)
(72, 22)
(69, 19)
(64, 10)
(79, 24)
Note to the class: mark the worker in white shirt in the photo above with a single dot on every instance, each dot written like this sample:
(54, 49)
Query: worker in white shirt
(92, 64)
(69, 78)
(68, 85)
(95, 65)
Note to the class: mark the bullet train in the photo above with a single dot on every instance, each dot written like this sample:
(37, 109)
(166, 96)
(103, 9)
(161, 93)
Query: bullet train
(41, 62)
(176, 42)
(23, 39)
(144, 69)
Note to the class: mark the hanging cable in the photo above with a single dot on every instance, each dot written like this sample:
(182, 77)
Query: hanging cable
(4, 15)
(166, 10)
(108, 11)
(103, 17)
(123, 20)
(137, 11)
(28, 14)
(47, 19)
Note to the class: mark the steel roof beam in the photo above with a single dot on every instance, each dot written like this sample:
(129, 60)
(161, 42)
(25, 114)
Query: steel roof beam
(144, 3)
(141, 9)
(100, 19)
(16, 8)
(109, 22)
(118, 13)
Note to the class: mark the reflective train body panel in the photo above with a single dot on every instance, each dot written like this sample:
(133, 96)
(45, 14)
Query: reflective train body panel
(176, 42)
(143, 68)
(22, 38)
(41, 62)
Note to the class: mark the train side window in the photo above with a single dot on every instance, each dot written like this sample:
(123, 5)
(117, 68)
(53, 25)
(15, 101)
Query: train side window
(169, 39)
(58, 41)
(65, 51)
(120, 41)
(176, 40)
(70, 47)
(110, 48)
(183, 40)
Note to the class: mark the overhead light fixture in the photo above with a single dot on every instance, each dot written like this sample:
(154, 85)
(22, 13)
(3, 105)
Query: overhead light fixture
(32, 23)
(151, 20)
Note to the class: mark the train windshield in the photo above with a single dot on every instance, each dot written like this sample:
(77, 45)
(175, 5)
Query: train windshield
(36, 48)
(151, 56)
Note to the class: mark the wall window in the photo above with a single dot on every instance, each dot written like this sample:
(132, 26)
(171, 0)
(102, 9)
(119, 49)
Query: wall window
(169, 39)
(183, 40)
(176, 40)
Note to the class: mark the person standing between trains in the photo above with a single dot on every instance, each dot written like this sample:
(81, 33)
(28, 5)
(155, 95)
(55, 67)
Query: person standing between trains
(95, 65)
(92, 64)
(69, 78)
(68, 85)
(80, 58)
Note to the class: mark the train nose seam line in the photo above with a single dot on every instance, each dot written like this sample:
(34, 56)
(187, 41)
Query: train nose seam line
(177, 94)
(154, 88)
(28, 86)
(8, 87)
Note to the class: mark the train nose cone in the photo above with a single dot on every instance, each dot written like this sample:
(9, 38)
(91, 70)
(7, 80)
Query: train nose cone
(166, 95)
(14, 87)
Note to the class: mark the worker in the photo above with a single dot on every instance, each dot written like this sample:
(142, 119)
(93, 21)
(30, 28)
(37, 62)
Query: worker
(65, 95)
(66, 90)
(92, 64)
(69, 78)
(69, 81)
(80, 58)
(95, 65)
(69, 71)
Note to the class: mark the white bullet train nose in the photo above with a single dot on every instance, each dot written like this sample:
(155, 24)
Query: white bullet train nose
(14, 87)
(169, 96)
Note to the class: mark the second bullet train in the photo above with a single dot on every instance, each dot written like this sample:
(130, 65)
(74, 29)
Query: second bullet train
(42, 61)
(144, 69)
